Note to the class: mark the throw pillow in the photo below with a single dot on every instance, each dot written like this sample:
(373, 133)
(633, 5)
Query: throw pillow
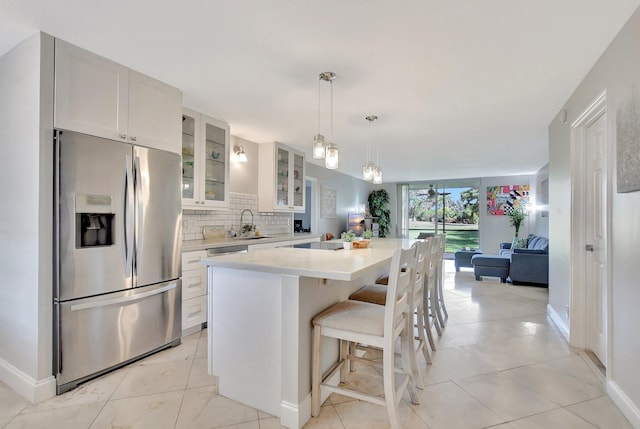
(519, 243)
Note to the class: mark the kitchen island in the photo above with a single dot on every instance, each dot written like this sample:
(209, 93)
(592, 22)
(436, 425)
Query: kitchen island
(260, 309)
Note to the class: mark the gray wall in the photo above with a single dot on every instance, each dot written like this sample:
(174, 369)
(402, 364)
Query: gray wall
(26, 117)
(539, 222)
(618, 73)
(243, 177)
(350, 194)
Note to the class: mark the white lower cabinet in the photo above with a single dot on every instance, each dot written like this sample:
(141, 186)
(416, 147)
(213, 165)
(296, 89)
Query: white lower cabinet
(194, 291)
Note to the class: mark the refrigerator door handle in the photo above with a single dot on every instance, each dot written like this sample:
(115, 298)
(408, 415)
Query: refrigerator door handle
(123, 299)
(127, 233)
(139, 210)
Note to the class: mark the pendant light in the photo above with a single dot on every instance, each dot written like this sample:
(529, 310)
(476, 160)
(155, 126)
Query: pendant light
(318, 148)
(367, 168)
(322, 148)
(377, 170)
(331, 155)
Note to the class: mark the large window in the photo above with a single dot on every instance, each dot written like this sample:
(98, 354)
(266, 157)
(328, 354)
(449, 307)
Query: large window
(445, 208)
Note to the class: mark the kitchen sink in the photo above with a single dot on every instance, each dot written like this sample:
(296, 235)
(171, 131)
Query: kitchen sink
(252, 237)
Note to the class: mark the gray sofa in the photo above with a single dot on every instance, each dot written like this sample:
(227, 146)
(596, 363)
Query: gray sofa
(530, 265)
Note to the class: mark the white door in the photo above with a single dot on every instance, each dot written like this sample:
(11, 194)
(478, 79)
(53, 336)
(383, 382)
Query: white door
(595, 235)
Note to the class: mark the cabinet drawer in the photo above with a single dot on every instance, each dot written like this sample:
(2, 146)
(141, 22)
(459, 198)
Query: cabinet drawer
(194, 312)
(191, 260)
(194, 283)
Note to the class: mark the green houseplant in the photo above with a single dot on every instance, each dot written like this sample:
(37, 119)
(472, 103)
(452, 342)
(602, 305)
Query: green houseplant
(378, 201)
(348, 238)
(516, 217)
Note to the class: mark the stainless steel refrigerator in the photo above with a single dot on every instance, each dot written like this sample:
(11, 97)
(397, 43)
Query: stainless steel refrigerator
(117, 289)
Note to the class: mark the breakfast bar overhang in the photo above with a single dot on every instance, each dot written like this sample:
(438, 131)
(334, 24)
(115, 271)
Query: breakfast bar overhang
(259, 319)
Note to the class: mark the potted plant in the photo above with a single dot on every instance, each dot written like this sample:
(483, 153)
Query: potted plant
(516, 217)
(247, 229)
(347, 238)
(378, 201)
(367, 234)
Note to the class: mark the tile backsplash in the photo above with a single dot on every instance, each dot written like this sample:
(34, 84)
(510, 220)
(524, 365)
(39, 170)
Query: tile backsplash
(193, 221)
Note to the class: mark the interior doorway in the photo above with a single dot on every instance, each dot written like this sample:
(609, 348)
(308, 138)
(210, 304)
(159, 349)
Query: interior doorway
(307, 222)
(590, 219)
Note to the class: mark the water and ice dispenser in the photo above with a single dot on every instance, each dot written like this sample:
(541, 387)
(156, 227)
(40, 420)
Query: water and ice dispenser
(94, 221)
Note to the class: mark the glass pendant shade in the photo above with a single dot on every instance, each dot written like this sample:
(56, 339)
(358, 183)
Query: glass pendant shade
(318, 146)
(367, 171)
(377, 175)
(331, 156)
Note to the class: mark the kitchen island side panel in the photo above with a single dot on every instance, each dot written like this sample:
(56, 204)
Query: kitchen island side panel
(245, 336)
(260, 336)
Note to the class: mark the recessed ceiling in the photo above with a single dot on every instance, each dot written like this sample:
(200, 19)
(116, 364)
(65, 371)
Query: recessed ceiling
(461, 88)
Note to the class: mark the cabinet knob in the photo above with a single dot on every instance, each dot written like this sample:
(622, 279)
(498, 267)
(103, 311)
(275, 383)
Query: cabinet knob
(134, 138)
(123, 136)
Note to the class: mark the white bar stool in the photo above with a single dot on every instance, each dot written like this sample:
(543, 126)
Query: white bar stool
(374, 325)
(441, 309)
(376, 294)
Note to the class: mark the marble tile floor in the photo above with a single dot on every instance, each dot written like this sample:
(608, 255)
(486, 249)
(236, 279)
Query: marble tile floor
(500, 363)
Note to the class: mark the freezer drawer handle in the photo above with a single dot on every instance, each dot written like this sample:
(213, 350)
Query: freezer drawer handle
(113, 301)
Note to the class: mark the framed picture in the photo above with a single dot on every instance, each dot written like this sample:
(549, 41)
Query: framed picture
(502, 200)
(327, 202)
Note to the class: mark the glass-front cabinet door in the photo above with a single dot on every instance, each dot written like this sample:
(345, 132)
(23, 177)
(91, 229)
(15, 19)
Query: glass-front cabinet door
(205, 162)
(215, 162)
(282, 178)
(298, 182)
(289, 179)
(281, 186)
(189, 130)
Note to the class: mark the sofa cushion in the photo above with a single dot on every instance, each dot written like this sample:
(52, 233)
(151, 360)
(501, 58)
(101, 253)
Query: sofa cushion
(538, 243)
(519, 243)
(490, 261)
(530, 251)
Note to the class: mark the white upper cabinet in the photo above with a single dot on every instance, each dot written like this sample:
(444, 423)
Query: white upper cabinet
(205, 162)
(281, 186)
(154, 113)
(96, 96)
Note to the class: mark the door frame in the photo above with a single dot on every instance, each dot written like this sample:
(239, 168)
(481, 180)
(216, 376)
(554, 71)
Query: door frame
(315, 203)
(578, 306)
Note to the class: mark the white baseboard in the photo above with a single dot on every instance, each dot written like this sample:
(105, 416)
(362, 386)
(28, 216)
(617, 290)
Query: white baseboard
(32, 390)
(622, 401)
(294, 416)
(559, 322)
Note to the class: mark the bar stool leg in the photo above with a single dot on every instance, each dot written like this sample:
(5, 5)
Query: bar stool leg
(316, 372)
(422, 342)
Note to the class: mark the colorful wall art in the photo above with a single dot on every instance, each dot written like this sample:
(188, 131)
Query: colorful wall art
(504, 199)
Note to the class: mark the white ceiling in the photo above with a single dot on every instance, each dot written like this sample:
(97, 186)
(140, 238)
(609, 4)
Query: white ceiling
(462, 88)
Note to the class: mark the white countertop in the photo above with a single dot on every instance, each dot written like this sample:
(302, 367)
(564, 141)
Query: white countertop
(340, 264)
(193, 245)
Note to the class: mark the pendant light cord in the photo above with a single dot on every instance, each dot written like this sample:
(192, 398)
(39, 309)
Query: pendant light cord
(377, 147)
(331, 82)
(319, 105)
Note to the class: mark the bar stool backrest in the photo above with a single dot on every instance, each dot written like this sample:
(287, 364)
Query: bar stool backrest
(400, 282)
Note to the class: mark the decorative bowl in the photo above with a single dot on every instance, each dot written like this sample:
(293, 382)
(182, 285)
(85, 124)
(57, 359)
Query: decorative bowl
(361, 244)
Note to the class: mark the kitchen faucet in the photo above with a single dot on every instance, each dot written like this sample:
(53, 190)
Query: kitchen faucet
(242, 216)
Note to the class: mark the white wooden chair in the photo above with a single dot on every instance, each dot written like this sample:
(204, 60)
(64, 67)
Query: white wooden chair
(441, 309)
(377, 326)
(430, 297)
(376, 294)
